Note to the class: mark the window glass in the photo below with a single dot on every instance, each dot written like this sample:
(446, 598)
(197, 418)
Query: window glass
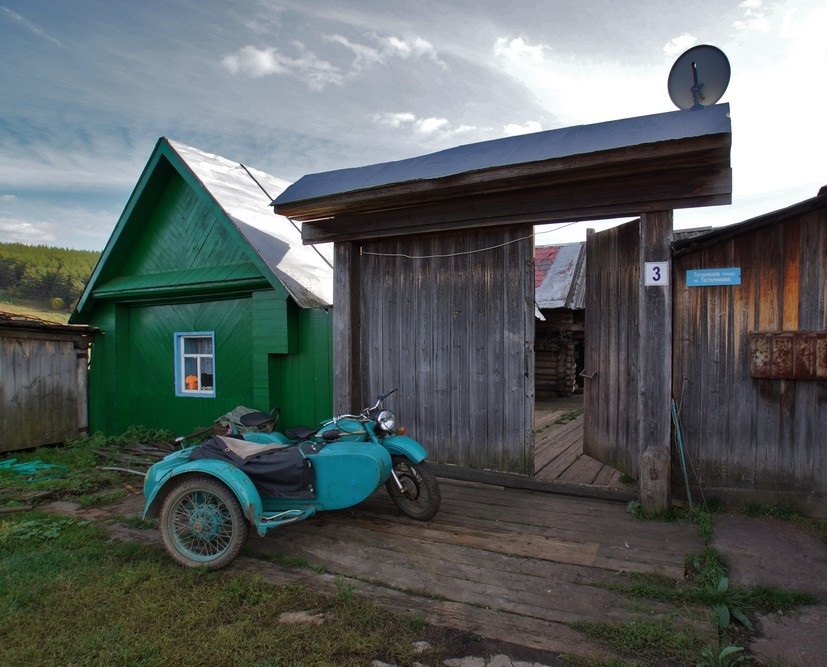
(194, 363)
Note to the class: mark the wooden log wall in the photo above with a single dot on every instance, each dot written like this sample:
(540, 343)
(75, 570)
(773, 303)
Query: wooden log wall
(447, 319)
(558, 342)
(739, 431)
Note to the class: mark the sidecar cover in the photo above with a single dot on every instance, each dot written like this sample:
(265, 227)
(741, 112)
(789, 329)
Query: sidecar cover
(277, 471)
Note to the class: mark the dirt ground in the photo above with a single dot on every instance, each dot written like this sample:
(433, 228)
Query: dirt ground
(778, 553)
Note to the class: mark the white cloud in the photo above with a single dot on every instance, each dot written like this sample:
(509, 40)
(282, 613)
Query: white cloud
(675, 47)
(433, 127)
(395, 119)
(7, 198)
(753, 19)
(317, 72)
(255, 62)
(415, 47)
(513, 129)
(364, 55)
(14, 230)
(517, 49)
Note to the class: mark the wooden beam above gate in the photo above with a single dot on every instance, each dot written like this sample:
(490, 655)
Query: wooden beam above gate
(620, 168)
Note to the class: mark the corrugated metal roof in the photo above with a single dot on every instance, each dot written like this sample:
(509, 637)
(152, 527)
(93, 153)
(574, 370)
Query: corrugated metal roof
(560, 276)
(245, 195)
(521, 149)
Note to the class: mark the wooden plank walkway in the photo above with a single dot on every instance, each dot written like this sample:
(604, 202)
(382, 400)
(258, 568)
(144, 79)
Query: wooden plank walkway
(509, 565)
(558, 448)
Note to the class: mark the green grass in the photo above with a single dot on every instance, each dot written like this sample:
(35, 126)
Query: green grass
(70, 595)
(655, 641)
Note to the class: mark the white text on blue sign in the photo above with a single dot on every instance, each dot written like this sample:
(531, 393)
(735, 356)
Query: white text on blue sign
(713, 277)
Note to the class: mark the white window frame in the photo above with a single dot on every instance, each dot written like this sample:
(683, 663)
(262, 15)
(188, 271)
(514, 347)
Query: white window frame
(199, 363)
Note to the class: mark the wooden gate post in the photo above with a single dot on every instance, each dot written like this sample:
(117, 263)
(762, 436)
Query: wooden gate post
(655, 361)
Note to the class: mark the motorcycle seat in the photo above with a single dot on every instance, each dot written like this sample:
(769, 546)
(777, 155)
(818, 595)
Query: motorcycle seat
(300, 432)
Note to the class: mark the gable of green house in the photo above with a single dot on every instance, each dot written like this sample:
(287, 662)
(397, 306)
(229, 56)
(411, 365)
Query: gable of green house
(177, 264)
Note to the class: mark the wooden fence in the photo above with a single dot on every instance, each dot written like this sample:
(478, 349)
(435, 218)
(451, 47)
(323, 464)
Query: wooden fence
(43, 383)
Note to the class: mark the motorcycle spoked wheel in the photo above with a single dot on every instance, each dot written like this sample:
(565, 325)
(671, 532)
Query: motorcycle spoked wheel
(419, 497)
(202, 524)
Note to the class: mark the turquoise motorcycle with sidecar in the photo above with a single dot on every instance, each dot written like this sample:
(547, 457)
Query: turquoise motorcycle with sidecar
(206, 497)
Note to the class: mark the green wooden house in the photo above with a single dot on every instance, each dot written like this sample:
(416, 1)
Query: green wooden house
(206, 300)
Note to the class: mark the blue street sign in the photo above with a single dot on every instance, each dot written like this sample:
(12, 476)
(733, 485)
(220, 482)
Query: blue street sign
(713, 277)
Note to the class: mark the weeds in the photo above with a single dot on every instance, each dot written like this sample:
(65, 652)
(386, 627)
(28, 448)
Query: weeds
(71, 470)
(725, 657)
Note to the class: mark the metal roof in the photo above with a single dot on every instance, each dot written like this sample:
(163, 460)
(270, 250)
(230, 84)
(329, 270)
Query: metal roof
(560, 276)
(244, 194)
(517, 150)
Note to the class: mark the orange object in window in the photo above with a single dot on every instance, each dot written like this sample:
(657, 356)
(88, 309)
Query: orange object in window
(191, 381)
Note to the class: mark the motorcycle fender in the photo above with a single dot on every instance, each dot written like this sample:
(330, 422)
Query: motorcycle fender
(241, 485)
(402, 445)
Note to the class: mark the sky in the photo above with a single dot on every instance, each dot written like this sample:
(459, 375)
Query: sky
(293, 87)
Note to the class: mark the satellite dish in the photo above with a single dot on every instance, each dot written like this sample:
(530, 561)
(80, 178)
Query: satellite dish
(699, 77)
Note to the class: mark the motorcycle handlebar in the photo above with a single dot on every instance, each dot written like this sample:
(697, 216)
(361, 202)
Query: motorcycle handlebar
(366, 412)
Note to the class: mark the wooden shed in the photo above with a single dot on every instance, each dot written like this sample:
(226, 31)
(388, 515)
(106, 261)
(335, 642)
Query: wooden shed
(43, 380)
(434, 270)
(206, 301)
(560, 298)
(750, 357)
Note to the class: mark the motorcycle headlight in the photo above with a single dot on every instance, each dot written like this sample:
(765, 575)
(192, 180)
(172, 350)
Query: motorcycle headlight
(386, 421)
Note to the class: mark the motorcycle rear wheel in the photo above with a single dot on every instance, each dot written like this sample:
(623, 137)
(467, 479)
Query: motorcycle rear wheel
(202, 524)
(420, 497)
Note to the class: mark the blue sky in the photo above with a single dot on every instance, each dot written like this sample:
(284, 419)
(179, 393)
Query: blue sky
(300, 86)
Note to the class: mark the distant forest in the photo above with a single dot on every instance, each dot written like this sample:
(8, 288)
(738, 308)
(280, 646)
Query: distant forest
(53, 276)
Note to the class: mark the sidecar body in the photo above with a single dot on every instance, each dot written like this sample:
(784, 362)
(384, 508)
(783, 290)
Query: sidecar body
(276, 483)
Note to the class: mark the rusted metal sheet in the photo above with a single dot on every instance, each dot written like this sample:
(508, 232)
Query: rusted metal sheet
(789, 355)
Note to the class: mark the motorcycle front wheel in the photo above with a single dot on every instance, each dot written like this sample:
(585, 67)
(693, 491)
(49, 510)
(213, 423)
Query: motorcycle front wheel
(202, 524)
(419, 497)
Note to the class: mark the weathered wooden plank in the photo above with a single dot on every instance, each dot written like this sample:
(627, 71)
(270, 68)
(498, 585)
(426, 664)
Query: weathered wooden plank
(477, 556)
(582, 471)
(555, 443)
(607, 476)
(482, 620)
(558, 201)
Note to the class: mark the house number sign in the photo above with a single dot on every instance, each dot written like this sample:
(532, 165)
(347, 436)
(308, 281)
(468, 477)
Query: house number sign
(655, 273)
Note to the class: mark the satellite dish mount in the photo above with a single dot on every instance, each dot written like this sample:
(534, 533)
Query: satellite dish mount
(699, 77)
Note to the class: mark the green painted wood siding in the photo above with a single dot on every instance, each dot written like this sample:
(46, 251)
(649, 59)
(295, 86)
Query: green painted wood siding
(182, 231)
(301, 383)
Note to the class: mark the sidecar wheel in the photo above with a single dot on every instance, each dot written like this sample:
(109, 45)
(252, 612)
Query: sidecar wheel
(202, 524)
(419, 497)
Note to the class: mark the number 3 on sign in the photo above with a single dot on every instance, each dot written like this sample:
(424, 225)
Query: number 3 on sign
(656, 273)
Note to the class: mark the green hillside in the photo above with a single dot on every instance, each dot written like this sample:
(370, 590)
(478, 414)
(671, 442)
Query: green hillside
(41, 281)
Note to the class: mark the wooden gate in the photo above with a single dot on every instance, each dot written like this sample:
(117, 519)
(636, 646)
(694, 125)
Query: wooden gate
(611, 347)
(448, 320)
